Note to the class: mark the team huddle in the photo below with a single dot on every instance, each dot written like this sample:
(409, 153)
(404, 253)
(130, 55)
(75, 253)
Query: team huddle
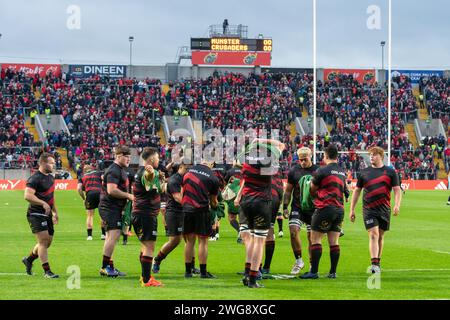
(197, 197)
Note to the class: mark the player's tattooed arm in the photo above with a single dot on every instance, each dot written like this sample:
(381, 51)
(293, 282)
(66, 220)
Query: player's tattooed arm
(287, 199)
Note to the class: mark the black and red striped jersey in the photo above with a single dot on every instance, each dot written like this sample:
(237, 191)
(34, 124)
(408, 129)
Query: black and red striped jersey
(332, 187)
(44, 185)
(377, 184)
(277, 185)
(198, 184)
(258, 184)
(92, 181)
(147, 199)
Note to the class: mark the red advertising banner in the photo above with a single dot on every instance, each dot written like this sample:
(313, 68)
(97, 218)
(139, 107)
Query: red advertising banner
(31, 69)
(243, 58)
(362, 75)
(420, 184)
(21, 184)
(413, 184)
(72, 184)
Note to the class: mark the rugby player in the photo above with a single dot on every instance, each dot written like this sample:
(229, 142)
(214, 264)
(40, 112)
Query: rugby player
(174, 215)
(297, 216)
(328, 187)
(232, 179)
(89, 189)
(113, 199)
(377, 181)
(200, 190)
(147, 187)
(42, 214)
(255, 200)
(277, 196)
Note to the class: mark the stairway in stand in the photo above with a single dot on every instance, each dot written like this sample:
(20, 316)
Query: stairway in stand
(412, 134)
(31, 128)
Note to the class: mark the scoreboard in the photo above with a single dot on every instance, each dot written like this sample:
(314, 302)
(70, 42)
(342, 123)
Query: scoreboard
(231, 44)
(232, 51)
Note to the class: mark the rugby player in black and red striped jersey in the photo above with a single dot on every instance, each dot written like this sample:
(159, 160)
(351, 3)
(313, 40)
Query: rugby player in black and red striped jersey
(89, 189)
(328, 187)
(148, 185)
(255, 201)
(377, 182)
(42, 213)
(174, 215)
(200, 190)
(277, 196)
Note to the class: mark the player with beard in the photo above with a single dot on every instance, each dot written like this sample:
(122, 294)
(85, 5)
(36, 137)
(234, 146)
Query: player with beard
(113, 199)
(148, 184)
(42, 214)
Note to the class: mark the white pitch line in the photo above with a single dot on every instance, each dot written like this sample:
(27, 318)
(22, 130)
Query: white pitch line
(441, 252)
(405, 270)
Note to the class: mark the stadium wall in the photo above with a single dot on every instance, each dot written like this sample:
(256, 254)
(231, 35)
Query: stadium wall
(15, 174)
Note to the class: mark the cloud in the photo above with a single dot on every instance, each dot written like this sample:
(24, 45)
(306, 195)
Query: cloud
(36, 30)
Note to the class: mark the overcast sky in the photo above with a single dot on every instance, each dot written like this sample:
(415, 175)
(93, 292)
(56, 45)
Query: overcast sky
(36, 31)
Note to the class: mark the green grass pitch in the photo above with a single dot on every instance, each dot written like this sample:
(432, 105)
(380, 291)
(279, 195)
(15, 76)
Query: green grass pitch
(416, 259)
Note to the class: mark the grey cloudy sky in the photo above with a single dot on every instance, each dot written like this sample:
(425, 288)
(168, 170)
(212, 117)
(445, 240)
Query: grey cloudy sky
(36, 31)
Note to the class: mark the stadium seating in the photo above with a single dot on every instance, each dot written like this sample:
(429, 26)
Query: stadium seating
(102, 113)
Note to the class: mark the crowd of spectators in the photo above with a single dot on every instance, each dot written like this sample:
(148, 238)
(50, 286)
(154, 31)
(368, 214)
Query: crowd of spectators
(102, 112)
(436, 91)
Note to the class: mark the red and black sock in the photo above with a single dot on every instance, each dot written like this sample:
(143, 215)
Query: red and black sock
(316, 253)
(146, 263)
(297, 254)
(270, 248)
(252, 276)
(89, 232)
(32, 257)
(111, 263)
(247, 268)
(375, 261)
(309, 251)
(46, 267)
(105, 261)
(160, 257)
(335, 252)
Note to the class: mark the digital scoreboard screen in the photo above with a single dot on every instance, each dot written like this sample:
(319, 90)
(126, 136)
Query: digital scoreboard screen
(231, 44)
